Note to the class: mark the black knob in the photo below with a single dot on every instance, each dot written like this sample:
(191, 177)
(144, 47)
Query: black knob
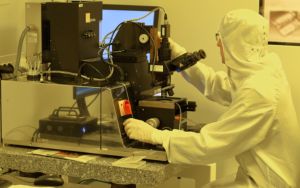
(191, 106)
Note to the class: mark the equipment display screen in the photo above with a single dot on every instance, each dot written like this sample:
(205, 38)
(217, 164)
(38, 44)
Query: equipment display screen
(113, 15)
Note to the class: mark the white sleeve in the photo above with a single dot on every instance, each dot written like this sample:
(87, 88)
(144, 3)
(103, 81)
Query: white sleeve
(244, 125)
(214, 85)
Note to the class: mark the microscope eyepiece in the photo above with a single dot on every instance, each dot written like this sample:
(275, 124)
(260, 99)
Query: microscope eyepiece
(187, 60)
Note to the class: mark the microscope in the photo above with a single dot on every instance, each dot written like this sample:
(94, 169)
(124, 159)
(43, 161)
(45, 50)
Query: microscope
(83, 96)
(150, 82)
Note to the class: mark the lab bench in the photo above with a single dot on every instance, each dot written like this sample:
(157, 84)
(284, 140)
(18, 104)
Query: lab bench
(151, 174)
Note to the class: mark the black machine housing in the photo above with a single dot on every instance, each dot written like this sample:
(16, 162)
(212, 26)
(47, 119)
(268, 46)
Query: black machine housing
(70, 36)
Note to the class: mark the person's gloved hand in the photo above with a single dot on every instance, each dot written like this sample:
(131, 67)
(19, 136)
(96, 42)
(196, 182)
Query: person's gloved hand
(177, 50)
(142, 131)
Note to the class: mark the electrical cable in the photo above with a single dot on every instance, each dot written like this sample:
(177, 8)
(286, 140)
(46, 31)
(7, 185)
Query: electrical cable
(94, 68)
(100, 53)
(112, 33)
(23, 180)
(15, 130)
(122, 74)
(59, 72)
(111, 39)
(146, 15)
(72, 107)
(180, 115)
(93, 100)
(67, 73)
(88, 181)
(90, 65)
(34, 135)
(9, 171)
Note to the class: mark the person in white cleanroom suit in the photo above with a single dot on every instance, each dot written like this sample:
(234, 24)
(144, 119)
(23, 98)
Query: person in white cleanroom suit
(260, 127)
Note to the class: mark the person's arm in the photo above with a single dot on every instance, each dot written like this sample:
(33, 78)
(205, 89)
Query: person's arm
(214, 85)
(247, 122)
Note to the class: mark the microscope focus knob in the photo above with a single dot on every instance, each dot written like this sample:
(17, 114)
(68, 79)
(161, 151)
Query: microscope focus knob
(154, 122)
(143, 38)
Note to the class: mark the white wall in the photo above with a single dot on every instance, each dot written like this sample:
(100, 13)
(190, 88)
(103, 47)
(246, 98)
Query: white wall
(8, 31)
(193, 25)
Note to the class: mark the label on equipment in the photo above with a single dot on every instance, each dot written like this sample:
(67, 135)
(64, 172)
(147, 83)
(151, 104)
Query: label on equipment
(157, 68)
(87, 17)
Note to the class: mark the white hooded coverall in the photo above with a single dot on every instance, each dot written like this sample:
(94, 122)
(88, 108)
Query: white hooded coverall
(260, 127)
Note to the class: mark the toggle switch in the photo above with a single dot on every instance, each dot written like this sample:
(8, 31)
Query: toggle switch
(125, 107)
